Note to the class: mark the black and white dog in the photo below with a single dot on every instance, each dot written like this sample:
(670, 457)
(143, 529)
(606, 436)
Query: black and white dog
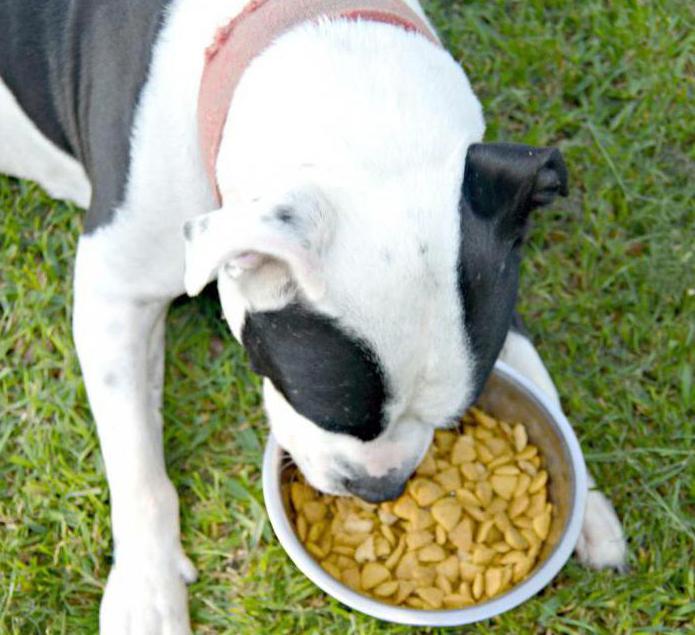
(366, 246)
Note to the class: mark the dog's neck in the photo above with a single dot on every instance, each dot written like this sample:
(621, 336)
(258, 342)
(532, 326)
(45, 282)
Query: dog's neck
(248, 34)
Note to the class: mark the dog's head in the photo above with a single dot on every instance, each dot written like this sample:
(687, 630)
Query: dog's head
(371, 335)
(374, 289)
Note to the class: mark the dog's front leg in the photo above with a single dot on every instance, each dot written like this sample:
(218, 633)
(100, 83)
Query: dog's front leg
(601, 543)
(120, 342)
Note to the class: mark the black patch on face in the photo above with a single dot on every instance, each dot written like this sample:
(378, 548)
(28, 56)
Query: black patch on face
(327, 375)
(77, 68)
(502, 184)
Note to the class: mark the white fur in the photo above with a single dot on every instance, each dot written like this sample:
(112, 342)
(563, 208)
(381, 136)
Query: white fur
(601, 542)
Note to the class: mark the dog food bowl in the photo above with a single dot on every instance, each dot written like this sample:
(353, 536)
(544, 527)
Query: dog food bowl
(508, 396)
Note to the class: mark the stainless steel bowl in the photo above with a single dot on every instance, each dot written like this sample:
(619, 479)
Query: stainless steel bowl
(507, 395)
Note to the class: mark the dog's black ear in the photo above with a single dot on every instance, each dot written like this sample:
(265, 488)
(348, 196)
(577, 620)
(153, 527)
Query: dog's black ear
(506, 181)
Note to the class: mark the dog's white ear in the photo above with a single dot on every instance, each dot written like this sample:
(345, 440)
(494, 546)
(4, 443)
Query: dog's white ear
(267, 243)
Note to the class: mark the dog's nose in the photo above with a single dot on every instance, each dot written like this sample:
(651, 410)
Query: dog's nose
(376, 490)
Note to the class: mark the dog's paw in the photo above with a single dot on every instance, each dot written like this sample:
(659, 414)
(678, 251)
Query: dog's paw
(147, 597)
(601, 543)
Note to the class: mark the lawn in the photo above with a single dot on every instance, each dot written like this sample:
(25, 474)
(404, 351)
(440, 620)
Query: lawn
(608, 293)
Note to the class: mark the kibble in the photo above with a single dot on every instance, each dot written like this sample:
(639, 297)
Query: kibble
(471, 523)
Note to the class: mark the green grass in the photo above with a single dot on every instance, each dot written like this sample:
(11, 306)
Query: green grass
(608, 293)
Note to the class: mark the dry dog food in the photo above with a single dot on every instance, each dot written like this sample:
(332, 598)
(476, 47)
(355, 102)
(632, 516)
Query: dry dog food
(470, 524)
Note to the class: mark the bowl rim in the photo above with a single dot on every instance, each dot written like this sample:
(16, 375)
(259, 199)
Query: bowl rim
(441, 617)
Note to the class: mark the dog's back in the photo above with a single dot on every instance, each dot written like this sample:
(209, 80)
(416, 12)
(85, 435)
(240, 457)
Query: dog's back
(68, 72)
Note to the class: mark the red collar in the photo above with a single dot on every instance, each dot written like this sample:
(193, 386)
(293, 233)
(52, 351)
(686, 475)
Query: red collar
(248, 34)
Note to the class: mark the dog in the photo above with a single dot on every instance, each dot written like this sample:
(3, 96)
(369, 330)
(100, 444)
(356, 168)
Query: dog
(323, 161)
